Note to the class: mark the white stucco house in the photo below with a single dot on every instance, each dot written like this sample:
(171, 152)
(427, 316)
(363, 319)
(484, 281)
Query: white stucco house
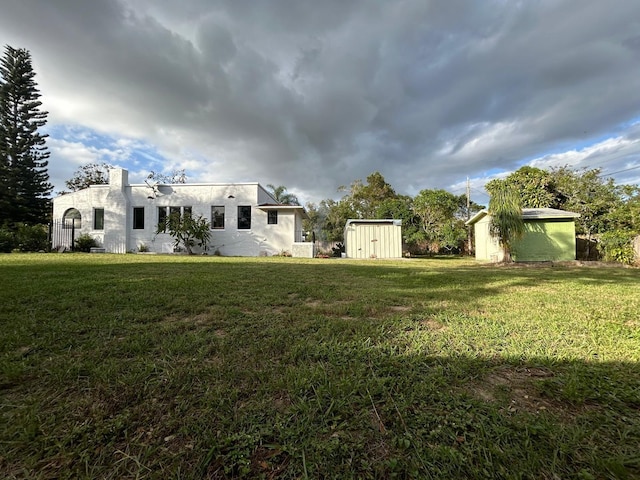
(245, 218)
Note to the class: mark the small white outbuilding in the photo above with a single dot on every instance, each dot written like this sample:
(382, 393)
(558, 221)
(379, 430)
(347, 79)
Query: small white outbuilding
(381, 238)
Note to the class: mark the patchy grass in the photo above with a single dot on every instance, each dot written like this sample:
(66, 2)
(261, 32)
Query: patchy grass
(189, 367)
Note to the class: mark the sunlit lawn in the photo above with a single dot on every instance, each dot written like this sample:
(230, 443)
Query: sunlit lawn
(143, 366)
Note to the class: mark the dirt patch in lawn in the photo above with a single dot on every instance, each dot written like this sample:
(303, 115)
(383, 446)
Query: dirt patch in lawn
(519, 386)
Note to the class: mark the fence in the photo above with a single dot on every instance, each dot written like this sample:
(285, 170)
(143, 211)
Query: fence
(62, 235)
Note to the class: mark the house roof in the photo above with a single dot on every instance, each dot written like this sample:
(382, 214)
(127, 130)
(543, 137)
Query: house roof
(279, 206)
(530, 214)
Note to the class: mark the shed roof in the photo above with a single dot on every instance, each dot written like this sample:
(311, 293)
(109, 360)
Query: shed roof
(378, 221)
(530, 214)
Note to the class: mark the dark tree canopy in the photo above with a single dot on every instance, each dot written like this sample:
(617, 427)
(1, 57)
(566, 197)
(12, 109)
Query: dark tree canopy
(23, 152)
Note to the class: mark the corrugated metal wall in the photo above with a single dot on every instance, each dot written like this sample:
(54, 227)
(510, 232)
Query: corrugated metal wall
(373, 240)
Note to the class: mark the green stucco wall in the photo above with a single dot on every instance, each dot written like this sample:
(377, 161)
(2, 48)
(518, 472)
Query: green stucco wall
(546, 240)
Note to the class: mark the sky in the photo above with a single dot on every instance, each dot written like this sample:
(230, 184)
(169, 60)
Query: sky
(313, 94)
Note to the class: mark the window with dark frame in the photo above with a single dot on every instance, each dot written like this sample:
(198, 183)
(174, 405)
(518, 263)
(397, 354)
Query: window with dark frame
(244, 218)
(272, 217)
(162, 219)
(217, 217)
(165, 212)
(138, 218)
(98, 218)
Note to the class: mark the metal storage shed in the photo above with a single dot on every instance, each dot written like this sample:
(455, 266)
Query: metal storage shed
(381, 238)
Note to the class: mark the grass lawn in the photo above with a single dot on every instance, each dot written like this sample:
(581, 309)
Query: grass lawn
(142, 366)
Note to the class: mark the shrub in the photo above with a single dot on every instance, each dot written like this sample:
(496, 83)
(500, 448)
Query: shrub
(32, 238)
(338, 250)
(142, 248)
(7, 240)
(617, 246)
(24, 238)
(85, 242)
(187, 231)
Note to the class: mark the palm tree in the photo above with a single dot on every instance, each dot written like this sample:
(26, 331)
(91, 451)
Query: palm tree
(279, 193)
(505, 208)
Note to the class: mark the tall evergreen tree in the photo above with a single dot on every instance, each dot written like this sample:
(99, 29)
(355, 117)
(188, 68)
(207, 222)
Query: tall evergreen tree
(23, 152)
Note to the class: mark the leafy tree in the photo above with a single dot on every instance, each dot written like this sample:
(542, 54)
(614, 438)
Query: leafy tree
(335, 218)
(364, 198)
(23, 151)
(465, 212)
(90, 174)
(401, 208)
(176, 176)
(536, 187)
(626, 214)
(586, 193)
(186, 230)
(617, 246)
(436, 210)
(282, 196)
(505, 208)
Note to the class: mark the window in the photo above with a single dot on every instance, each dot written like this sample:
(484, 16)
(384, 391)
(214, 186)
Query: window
(138, 218)
(164, 212)
(98, 218)
(272, 217)
(244, 218)
(175, 211)
(217, 218)
(162, 219)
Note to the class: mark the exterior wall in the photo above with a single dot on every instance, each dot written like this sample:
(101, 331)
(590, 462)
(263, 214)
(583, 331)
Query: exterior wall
(487, 246)
(303, 250)
(546, 240)
(119, 200)
(373, 240)
(82, 201)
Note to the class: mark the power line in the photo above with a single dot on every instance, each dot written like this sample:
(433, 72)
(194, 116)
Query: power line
(620, 171)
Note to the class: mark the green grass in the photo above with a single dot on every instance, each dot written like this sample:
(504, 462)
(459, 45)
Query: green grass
(140, 366)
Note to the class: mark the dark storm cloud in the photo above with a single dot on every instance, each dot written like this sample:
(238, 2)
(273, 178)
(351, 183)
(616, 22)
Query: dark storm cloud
(313, 95)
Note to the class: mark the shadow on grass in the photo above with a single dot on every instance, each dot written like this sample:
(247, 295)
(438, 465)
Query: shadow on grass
(237, 368)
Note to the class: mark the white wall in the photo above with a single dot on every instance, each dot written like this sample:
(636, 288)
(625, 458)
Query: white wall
(119, 199)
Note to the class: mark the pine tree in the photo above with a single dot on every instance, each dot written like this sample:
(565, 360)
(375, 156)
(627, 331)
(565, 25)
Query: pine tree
(24, 178)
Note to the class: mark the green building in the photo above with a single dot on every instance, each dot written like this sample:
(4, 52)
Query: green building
(550, 235)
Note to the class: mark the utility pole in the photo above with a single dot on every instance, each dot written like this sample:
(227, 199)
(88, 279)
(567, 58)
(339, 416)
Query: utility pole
(469, 239)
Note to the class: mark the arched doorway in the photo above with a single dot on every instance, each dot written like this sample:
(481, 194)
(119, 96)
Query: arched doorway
(72, 219)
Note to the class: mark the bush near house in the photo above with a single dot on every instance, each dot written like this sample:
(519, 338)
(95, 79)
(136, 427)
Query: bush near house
(85, 242)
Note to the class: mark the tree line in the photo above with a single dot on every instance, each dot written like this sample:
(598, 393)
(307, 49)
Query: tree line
(433, 220)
